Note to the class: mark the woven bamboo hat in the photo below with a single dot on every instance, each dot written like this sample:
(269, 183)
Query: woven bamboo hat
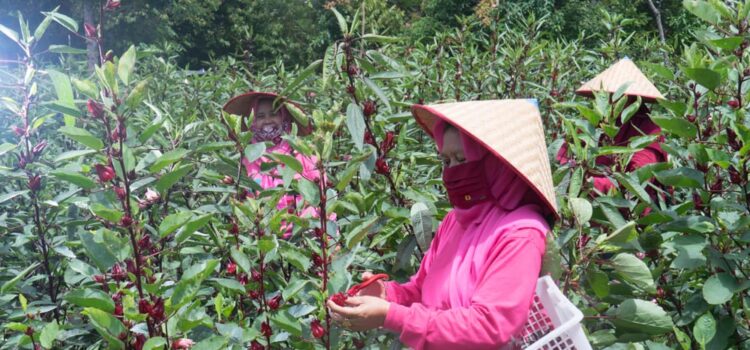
(242, 104)
(622, 72)
(511, 129)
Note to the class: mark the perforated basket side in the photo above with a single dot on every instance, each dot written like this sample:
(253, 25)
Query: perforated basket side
(554, 322)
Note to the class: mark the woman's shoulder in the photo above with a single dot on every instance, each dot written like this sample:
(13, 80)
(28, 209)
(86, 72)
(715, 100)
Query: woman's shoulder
(523, 219)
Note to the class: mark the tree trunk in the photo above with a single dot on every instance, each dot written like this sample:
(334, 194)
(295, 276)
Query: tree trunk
(92, 50)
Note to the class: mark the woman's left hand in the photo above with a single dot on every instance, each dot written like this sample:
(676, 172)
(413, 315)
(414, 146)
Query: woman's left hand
(361, 313)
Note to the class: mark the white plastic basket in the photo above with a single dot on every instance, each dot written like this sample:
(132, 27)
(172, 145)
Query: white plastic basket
(554, 322)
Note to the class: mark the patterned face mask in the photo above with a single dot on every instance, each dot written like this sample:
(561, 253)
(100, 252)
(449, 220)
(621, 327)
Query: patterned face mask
(273, 132)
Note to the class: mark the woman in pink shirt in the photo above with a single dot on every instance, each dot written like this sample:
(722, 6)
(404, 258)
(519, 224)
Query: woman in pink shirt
(475, 284)
(269, 125)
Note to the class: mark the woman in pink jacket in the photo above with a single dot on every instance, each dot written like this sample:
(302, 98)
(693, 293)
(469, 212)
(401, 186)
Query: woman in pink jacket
(475, 284)
(269, 125)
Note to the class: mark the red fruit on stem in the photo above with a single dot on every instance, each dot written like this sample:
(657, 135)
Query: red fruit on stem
(554, 93)
(152, 196)
(266, 330)
(145, 242)
(350, 89)
(157, 311)
(369, 139)
(130, 266)
(120, 192)
(29, 331)
(90, 30)
(255, 345)
(117, 273)
(144, 306)
(35, 183)
(253, 294)
(734, 104)
(388, 143)
(242, 278)
(274, 302)
(735, 176)
(234, 229)
(126, 221)
(19, 131)
(717, 186)
(381, 167)
(691, 118)
(317, 260)
(112, 4)
(317, 329)
(182, 343)
(105, 173)
(369, 108)
(256, 276)
(39, 148)
(118, 310)
(231, 268)
(353, 70)
(95, 108)
(100, 278)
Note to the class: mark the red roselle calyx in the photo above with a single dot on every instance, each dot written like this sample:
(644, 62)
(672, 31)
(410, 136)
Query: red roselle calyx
(317, 329)
(117, 273)
(353, 70)
(90, 30)
(387, 144)
(182, 343)
(381, 166)
(234, 229)
(255, 345)
(733, 103)
(112, 4)
(340, 298)
(369, 139)
(735, 176)
(350, 89)
(120, 192)
(105, 173)
(126, 221)
(19, 131)
(231, 268)
(274, 302)
(35, 183)
(95, 108)
(265, 329)
(227, 180)
(369, 108)
(39, 148)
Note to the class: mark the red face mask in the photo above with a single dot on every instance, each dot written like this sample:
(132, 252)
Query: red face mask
(466, 184)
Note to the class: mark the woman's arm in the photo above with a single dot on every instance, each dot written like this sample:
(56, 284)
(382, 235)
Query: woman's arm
(499, 307)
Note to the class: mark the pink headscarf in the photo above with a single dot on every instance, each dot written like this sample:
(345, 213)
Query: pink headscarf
(482, 220)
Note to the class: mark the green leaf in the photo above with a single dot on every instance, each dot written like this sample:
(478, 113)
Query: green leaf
(378, 92)
(191, 280)
(634, 271)
(630, 182)
(719, 288)
(91, 298)
(292, 162)
(65, 49)
(11, 34)
(240, 259)
(702, 10)
(421, 222)
(254, 151)
(64, 91)
(74, 178)
(73, 154)
(582, 210)
(380, 38)
(11, 283)
(86, 87)
(660, 70)
(343, 26)
(681, 177)
(230, 284)
(65, 21)
(689, 252)
(49, 334)
(155, 343)
(109, 214)
(107, 325)
(99, 253)
(174, 221)
(704, 329)
(193, 225)
(293, 288)
(7, 147)
(287, 322)
(167, 159)
(126, 64)
(359, 232)
(355, 122)
(167, 180)
(310, 191)
(624, 234)
(297, 82)
(137, 94)
(710, 79)
(690, 224)
(8, 196)
(640, 316)
(676, 125)
(82, 136)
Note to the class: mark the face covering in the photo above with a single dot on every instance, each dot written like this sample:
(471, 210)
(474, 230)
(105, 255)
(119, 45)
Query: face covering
(271, 133)
(466, 189)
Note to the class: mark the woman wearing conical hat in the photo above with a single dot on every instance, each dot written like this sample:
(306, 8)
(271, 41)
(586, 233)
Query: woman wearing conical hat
(621, 73)
(271, 121)
(476, 282)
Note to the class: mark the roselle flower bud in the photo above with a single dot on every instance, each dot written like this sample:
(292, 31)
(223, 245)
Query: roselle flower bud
(143, 204)
(554, 93)
(145, 242)
(369, 108)
(182, 343)
(735, 176)
(698, 201)
(317, 329)
(157, 310)
(126, 221)
(130, 266)
(112, 4)
(717, 186)
(691, 118)
(733, 103)
(29, 331)
(90, 30)
(118, 310)
(144, 306)
(95, 109)
(38, 346)
(350, 89)
(117, 273)
(105, 173)
(257, 277)
(369, 139)
(353, 70)
(39, 148)
(120, 133)
(231, 268)
(255, 345)
(339, 298)
(35, 183)
(152, 196)
(387, 144)
(22, 162)
(120, 192)
(381, 167)
(234, 229)
(732, 139)
(317, 259)
(253, 294)
(139, 341)
(318, 232)
(274, 303)
(227, 180)
(19, 131)
(242, 278)
(99, 278)
(266, 330)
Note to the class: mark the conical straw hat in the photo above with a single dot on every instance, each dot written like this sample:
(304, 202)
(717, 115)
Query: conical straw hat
(241, 105)
(620, 73)
(511, 129)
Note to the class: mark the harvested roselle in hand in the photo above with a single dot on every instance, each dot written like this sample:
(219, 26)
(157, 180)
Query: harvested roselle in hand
(339, 298)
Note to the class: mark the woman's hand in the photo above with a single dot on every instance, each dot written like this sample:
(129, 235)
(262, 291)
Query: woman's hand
(361, 313)
(376, 289)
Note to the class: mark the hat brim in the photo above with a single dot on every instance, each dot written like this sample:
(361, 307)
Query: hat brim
(427, 117)
(645, 98)
(241, 105)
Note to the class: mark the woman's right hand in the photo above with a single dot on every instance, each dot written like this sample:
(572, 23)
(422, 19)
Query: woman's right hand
(376, 289)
